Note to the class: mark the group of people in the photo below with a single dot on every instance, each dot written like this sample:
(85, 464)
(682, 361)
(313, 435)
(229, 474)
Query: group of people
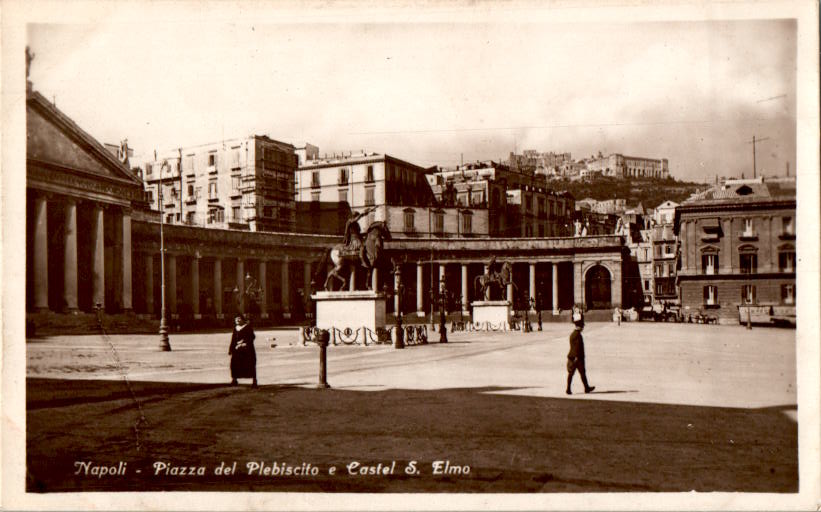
(244, 356)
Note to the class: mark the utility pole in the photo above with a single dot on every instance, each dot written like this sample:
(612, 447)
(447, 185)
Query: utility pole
(753, 143)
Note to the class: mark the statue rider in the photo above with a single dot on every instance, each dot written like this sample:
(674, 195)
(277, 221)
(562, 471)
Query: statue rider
(353, 235)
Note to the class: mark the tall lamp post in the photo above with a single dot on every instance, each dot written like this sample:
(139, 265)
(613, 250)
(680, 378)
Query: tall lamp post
(443, 330)
(165, 344)
(399, 340)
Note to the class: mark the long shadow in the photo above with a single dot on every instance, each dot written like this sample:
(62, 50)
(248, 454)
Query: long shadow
(485, 441)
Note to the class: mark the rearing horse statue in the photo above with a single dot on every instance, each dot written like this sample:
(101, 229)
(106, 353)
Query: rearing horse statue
(345, 257)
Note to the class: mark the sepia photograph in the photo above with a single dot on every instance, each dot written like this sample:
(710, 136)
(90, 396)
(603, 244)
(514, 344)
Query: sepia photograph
(390, 256)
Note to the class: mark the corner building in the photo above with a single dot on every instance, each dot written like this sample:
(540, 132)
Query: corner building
(738, 248)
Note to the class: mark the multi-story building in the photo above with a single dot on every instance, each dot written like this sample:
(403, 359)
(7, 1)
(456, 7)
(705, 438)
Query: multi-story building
(519, 204)
(738, 247)
(358, 181)
(665, 251)
(532, 161)
(243, 183)
(665, 213)
(622, 166)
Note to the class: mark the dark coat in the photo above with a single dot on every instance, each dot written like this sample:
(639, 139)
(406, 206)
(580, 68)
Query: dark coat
(243, 355)
(576, 346)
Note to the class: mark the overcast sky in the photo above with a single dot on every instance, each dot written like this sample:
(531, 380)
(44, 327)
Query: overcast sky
(692, 92)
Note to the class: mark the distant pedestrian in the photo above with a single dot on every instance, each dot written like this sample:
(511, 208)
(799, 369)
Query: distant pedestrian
(575, 358)
(243, 355)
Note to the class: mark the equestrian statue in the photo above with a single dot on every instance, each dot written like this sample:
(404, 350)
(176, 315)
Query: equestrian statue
(356, 250)
(500, 277)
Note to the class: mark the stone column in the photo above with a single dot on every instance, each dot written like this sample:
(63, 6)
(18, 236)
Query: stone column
(375, 280)
(307, 275)
(420, 296)
(487, 289)
(352, 279)
(555, 288)
(70, 257)
(509, 294)
(464, 287)
(40, 254)
(533, 284)
(578, 284)
(240, 284)
(285, 294)
(615, 285)
(396, 294)
(218, 287)
(263, 283)
(195, 287)
(126, 266)
(149, 284)
(98, 259)
(171, 280)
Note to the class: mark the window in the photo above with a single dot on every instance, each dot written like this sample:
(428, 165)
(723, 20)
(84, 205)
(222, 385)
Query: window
(369, 173)
(748, 228)
(315, 197)
(369, 197)
(190, 190)
(212, 190)
(409, 227)
(668, 250)
(314, 179)
(216, 215)
(529, 203)
(710, 296)
(786, 261)
(476, 198)
(169, 218)
(438, 222)
(236, 182)
(212, 159)
(787, 226)
(709, 263)
(647, 285)
(788, 293)
(189, 218)
(748, 263)
(149, 196)
(748, 294)
(659, 289)
(235, 214)
(343, 196)
(148, 169)
(343, 176)
(467, 223)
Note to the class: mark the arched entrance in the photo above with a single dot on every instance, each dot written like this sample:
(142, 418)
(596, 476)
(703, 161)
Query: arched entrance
(597, 288)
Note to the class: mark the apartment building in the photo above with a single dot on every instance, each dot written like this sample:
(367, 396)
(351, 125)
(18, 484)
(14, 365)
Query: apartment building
(245, 183)
(738, 247)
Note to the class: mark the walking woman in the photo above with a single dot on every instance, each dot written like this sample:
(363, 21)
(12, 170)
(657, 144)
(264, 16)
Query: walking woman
(243, 355)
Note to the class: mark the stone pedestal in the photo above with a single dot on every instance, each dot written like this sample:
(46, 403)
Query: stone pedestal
(345, 309)
(496, 312)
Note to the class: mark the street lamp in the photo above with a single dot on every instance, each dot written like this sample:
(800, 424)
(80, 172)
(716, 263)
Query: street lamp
(443, 331)
(399, 341)
(165, 344)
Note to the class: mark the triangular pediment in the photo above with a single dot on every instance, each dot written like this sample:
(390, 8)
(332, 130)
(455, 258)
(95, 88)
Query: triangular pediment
(53, 138)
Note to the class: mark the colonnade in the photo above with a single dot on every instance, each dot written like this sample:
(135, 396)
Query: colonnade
(55, 230)
(260, 270)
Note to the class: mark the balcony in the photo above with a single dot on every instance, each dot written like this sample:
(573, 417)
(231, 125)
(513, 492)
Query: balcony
(191, 200)
(748, 236)
(787, 235)
(315, 184)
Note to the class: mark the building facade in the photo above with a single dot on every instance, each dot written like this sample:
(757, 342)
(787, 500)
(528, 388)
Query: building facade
(239, 184)
(621, 166)
(738, 247)
(80, 200)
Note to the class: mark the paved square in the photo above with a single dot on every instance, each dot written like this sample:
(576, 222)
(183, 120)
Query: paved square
(677, 407)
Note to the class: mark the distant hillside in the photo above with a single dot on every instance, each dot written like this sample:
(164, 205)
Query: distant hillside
(649, 192)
